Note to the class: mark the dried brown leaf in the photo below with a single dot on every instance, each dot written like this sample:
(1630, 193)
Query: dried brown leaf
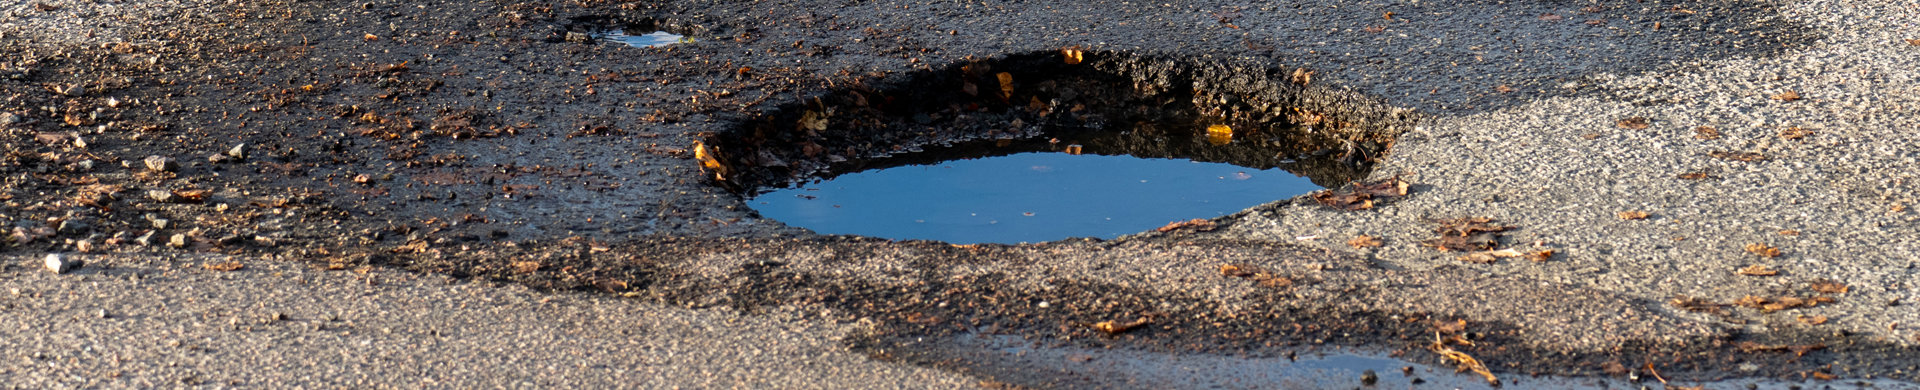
(1706, 133)
(227, 266)
(1693, 176)
(1827, 287)
(1795, 133)
(1763, 250)
(1633, 215)
(1696, 305)
(1787, 96)
(1195, 224)
(1540, 256)
(1113, 327)
(1489, 257)
(1811, 320)
(1757, 270)
(1634, 123)
(1364, 241)
(1737, 156)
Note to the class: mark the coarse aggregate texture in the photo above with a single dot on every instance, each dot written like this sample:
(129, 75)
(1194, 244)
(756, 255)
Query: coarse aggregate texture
(171, 321)
(484, 141)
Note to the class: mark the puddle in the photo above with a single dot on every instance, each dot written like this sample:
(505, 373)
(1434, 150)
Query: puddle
(652, 39)
(1017, 361)
(1038, 147)
(1026, 197)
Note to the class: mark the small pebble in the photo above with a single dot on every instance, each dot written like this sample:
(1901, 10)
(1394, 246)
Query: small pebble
(160, 163)
(145, 239)
(162, 196)
(8, 118)
(238, 152)
(60, 264)
(179, 240)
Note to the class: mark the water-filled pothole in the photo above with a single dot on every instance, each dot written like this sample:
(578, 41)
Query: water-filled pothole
(636, 32)
(1045, 146)
(656, 38)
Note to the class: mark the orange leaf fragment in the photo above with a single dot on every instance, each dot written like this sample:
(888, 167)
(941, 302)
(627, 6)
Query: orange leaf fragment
(1634, 123)
(1787, 96)
(227, 266)
(1812, 320)
(1072, 55)
(1795, 133)
(1364, 241)
(1827, 287)
(1006, 85)
(1112, 327)
(1757, 270)
(1196, 224)
(1633, 215)
(1763, 250)
(1706, 133)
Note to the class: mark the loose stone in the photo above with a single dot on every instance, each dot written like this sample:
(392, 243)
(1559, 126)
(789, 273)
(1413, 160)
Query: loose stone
(239, 152)
(162, 196)
(179, 240)
(160, 163)
(145, 239)
(60, 264)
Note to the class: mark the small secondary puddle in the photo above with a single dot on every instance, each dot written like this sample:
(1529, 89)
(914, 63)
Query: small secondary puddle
(1035, 196)
(656, 38)
(1033, 148)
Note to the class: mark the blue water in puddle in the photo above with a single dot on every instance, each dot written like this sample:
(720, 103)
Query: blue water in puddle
(1026, 197)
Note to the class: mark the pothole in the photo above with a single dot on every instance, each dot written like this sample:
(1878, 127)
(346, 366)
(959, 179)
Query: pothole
(640, 32)
(1045, 146)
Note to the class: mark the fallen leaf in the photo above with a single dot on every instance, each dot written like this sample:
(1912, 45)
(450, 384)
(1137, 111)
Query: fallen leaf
(1634, 123)
(1112, 328)
(1787, 96)
(1827, 287)
(1706, 133)
(1913, 42)
(1737, 156)
(1763, 250)
(1072, 55)
(1301, 76)
(1364, 242)
(1467, 234)
(1196, 224)
(1822, 376)
(1503, 88)
(227, 266)
(370, 38)
(1445, 327)
(1757, 270)
(1693, 176)
(1540, 256)
(1551, 17)
(191, 196)
(1374, 29)
(1463, 361)
(1795, 133)
(813, 120)
(1360, 196)
(1798, 350)
(1006, 85)
(1489, 257)
(1778, 304)
(1811, 320)
(1696, 305)
(1789, 232)
(44, 7)
(1219, 134)
(1633, 215)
